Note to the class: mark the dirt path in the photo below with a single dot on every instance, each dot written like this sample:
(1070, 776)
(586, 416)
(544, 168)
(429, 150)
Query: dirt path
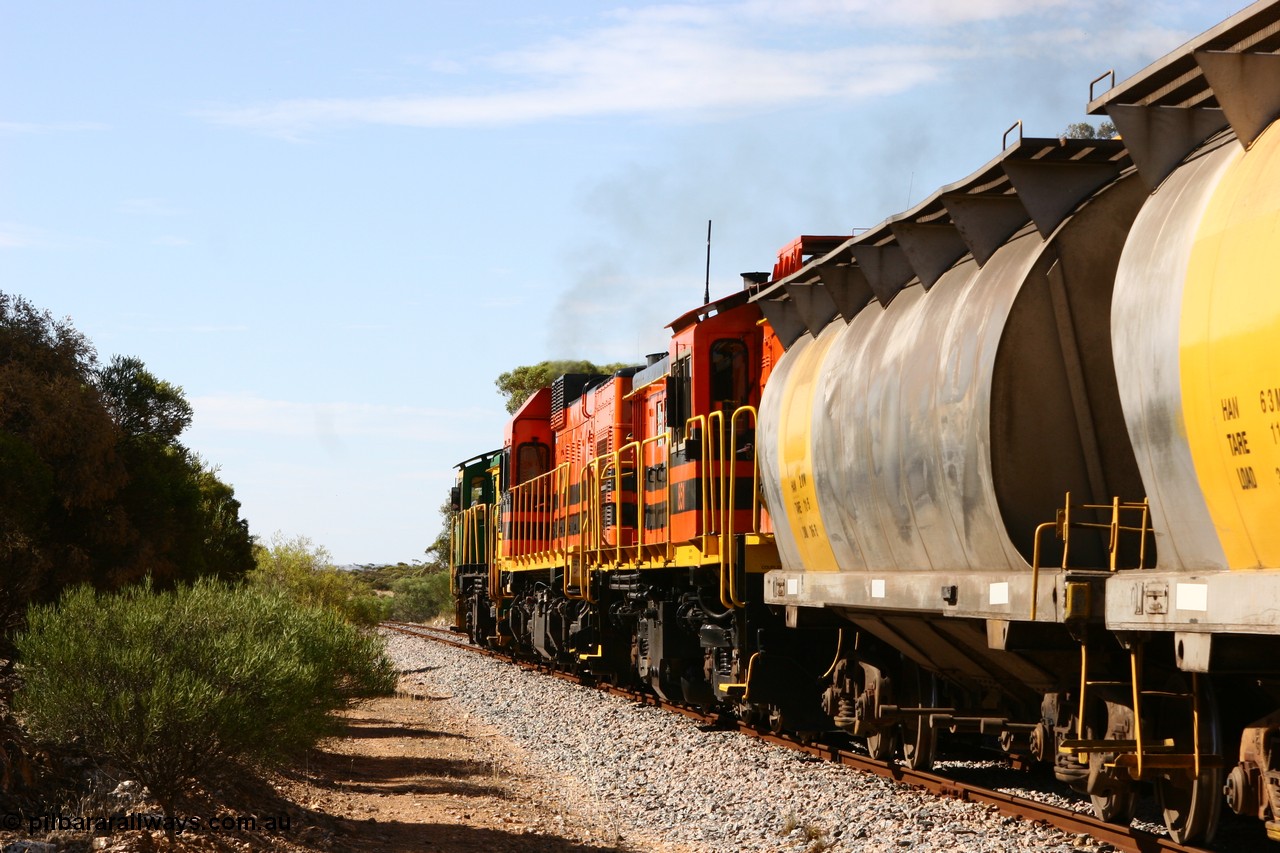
(409, 773)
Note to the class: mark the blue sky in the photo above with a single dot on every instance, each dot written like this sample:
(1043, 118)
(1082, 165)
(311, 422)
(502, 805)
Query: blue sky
(334, 225)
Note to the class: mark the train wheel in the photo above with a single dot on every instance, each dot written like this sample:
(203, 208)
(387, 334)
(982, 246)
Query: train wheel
(920, 689)
(776, 723)
(883, 744)
(1113, 792)
(1113, 805)
(1192, 806)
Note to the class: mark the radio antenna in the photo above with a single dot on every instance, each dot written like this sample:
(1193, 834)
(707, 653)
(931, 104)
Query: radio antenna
(706, 292)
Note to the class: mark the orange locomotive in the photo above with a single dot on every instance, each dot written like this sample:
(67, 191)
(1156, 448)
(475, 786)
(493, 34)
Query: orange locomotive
(620, 527)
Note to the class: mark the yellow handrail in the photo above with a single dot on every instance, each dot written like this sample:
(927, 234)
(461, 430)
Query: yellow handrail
(732, 457)
(637, 464)
(1035, 564)
(718, 493)
(467, 544)
(668, 461)
(665, 439)
(1135, 671)
(1084, 684)
(495, 538)
(575, 560)
(495, 571)
(534, 505)
(1063, 525)
(701, 422)
(588, 525)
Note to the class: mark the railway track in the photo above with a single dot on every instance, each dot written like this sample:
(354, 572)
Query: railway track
(1129, 839)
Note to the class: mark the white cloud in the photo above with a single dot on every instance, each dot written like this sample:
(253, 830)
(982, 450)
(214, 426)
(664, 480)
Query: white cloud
(677, 80)
(914, 13)
(671, 61)
(15, 235)
(1138, 42)
(332, 424)
(687, 62)
(14, 128)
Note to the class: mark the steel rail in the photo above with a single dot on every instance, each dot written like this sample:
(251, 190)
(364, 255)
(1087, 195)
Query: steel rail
(1123, 838)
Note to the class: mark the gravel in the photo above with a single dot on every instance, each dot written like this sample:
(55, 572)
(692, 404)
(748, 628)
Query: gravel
(664, 782)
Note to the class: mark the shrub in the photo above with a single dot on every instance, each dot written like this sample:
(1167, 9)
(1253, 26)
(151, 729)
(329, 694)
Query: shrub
(178, 686)
(380, 577)
(421, 598)
(305, 572)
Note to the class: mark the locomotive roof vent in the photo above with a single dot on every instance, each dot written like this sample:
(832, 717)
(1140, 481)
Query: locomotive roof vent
(655, 370)
(565, 390)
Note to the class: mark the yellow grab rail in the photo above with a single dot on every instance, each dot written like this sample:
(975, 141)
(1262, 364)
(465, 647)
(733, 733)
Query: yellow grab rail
(1063, 525)
(602, 480)
(535, 505)
(719, 492)
(468, 544)
(729, 562)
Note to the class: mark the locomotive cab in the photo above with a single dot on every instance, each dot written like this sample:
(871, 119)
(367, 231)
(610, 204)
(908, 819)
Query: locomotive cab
(713, 394)
(527, 454)
(471, 539)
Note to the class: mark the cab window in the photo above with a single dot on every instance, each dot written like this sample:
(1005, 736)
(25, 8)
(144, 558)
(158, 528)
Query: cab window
(533, 459)
(730, 376)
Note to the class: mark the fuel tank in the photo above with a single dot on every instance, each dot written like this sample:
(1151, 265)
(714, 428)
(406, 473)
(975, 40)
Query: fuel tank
(936, 433)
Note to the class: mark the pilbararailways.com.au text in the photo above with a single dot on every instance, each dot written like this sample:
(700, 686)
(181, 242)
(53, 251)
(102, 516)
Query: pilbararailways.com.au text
(127, 822)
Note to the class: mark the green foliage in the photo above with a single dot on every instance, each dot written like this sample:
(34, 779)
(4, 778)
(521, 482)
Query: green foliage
(1085, 130)
(365, 608)
(96, 488)
(140, 404)
(519, 384)
(382, 577)
(422, 598)
(187, 521)
(62, 472)
(226, 547)
(178, 686)
(305, 572)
